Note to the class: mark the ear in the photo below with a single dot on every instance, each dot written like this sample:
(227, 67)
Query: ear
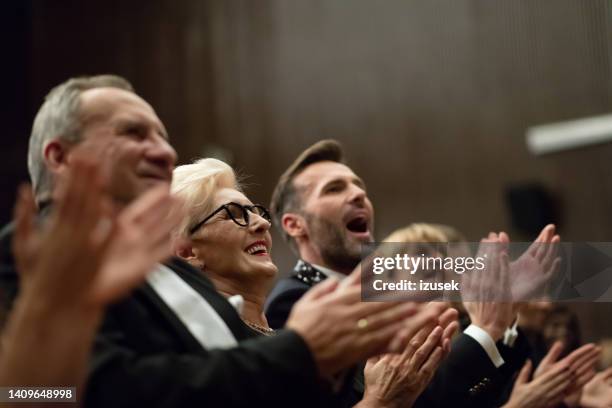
(55, 154)
(184, 249)
(294, 225)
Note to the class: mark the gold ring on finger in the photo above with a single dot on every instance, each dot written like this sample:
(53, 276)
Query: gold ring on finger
(362, 323)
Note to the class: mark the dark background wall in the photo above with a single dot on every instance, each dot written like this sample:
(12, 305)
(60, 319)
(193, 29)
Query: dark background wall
(430, 98)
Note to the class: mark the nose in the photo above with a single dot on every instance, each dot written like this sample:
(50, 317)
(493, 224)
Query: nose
(162, 153)
(357, 195)
(258, 224)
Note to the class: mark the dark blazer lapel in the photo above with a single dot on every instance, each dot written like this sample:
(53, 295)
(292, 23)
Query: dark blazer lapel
(205, 287)
(169, 317)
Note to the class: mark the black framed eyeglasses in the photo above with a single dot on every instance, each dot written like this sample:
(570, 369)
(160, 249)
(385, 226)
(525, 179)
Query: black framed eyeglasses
(238, 213)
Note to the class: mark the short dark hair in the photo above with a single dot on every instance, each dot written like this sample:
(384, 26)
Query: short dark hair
(285, 196)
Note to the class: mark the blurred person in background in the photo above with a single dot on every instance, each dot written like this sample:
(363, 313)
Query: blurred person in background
(435, 233)
(533, 315)
(561, 324)
(563, 367)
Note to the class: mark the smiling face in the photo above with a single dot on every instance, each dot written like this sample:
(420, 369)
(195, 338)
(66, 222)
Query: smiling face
(130, 140)
(230, 252)
(337, 212)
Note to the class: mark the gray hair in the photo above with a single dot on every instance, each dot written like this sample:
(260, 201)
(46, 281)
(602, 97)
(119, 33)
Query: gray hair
(59, 118)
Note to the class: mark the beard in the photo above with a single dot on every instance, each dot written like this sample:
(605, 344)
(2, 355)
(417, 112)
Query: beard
(339, 252)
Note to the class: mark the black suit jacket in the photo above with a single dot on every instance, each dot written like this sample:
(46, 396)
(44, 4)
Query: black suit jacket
(144, 356)
(467, 377)
(281, 299)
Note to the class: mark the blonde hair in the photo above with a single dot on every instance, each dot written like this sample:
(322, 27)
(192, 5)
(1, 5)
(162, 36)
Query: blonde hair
(196, 185)
(423, 232)
(429, 233)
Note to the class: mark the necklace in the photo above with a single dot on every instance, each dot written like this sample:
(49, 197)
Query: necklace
(266, 331)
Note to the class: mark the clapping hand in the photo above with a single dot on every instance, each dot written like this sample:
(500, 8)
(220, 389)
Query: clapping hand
(396, 380)
(532, 271)
(87, 252)
(485, 292)
(581, 362)
(597, 393)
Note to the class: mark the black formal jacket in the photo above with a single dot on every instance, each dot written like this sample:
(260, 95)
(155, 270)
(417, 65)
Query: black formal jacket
(466, 378)
(143, 356)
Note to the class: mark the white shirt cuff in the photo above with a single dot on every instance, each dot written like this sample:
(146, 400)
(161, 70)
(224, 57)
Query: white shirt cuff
(484, 339)
(511, 334)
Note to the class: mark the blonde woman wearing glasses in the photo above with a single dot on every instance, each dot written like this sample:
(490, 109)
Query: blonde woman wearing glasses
(226, 237)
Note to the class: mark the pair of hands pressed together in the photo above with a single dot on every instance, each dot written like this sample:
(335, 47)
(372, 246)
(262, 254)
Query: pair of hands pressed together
(492, 297)
(396, 380)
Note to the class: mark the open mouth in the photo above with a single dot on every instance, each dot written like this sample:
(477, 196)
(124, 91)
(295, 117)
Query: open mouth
(257, 249)
(358, 225)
